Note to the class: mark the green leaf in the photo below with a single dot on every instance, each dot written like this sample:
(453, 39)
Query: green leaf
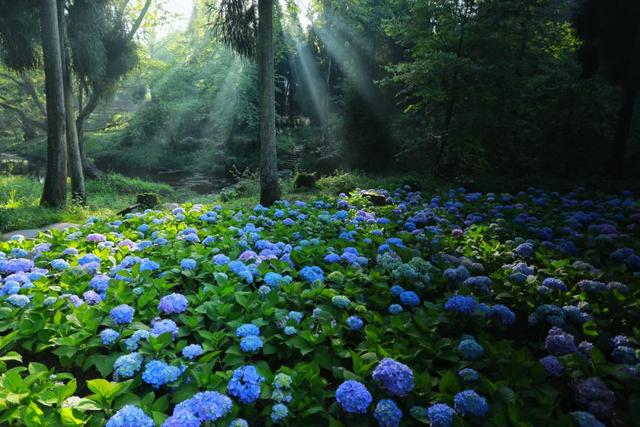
(449, 383)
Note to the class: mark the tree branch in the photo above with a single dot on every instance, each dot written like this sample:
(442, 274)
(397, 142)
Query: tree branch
(23, 116)
(136, 25)
(27, 83)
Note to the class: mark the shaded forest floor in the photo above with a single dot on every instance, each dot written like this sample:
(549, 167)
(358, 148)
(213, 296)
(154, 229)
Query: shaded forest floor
(19, 195)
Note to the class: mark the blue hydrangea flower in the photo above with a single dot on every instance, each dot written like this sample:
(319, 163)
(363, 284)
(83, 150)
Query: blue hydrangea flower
(99, 283)
(290, 330)
(468, 402)
(504, 313)
(470, 349)
(395, 309)
(593, 395)
(554, 283)
(410, 299)
(92, 297)
(395, 377)
(59, 264)
(559, 342)
(311, 274)
(129, 416)
(273, 279)
(221, 259)
(387, 413)
(209, 405)
(250, 344)
(552, 365)
(182, 418)
(192, 351)
(188, 264)
(353, 397)
(18, 300)
(239, 422)
(157, 373)
(440, 415)
(296, 316)
(133, 342)
(172, 304)
(468, 374)
(461, 304)
(245, 384)
(127, 365)
(109, 336)
(354, 323)
(122, 314)
(246, 330)
(279, 412)
(164, 326)
(397, 290)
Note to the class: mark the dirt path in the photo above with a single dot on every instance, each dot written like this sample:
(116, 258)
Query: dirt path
(34, 232)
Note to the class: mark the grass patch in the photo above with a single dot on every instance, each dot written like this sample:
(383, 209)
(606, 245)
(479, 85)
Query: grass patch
(20, 197)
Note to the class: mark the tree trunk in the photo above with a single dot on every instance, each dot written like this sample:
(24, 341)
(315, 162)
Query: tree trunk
(90, 171)
(269, 189)
(55, 183)
(625, 114)
(78, 194)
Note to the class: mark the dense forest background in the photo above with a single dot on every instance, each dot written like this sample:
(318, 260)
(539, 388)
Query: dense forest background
(450, 88)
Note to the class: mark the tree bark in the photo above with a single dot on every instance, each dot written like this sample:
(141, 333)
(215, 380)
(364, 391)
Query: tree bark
(269, 189)
(78, 194)
(625, 114)
(55, 183)
(90, 171)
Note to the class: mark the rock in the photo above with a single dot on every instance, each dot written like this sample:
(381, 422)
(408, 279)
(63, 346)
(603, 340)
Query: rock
(376, 198)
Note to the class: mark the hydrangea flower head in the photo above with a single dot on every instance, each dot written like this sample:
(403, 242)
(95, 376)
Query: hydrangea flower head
(173, 304)
(461, 304)
(395, 377)
(354, 323)
(552, 365)
(250, 344)
(410, 299)
(192, 351)
(246, 330)
(440, 415)
(130, 415)
(311, 274)
(122, 314)
(188, 264)
(353, 397)
(109, 336)
(157, 373)
(245, 384)
(127, 365)
(387, 413)
(210, 405)
(279, 412)
(468, 402)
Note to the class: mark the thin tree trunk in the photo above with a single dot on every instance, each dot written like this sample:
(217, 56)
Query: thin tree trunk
(90, 171)
(269, 189)
(625, 115)
(78, 194)
(55, 183)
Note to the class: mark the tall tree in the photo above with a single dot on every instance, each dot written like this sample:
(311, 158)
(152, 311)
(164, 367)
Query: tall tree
(610, 32)
(78, 193)
(55, 184)
(239, 27)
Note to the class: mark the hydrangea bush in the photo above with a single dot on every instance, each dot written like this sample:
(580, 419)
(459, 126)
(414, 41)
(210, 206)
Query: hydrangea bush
(449, 309)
